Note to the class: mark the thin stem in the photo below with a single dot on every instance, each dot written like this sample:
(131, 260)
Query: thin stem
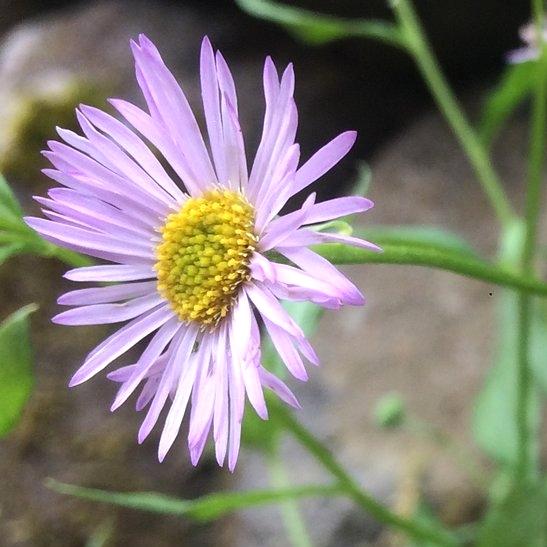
(380, 512)
(452, 111)
(290, 512)
(533, 198)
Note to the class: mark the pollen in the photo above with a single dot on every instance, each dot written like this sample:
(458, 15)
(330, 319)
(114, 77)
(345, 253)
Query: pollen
(203, 257)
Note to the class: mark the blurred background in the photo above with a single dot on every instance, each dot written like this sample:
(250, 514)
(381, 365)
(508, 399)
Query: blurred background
(422, 333)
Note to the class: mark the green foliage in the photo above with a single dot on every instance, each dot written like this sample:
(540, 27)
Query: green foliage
(16, 374)
(390, 411)
(315, 28)
(494, 426)
(521, 519)
(513, 88)
(202, 509)
(17, 238)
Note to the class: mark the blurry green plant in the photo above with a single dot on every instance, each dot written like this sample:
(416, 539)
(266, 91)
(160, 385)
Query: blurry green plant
(507, 413)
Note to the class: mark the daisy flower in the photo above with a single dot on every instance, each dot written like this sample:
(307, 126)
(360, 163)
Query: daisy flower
(192, 250)
(530, 52)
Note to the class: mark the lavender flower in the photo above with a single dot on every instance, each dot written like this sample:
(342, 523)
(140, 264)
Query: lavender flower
(530, 52)
(192, 261)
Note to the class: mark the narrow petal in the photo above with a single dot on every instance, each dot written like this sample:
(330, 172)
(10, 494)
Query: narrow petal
(270, 308)
(119, 342)
(286, 350)
(338, 207)
(317, 265)
(281, 227)
(184, 389)
(278, 387)
(111, 273)
(106, 295)
(166, 384)
(173, 108)
(323, 160)
(91, 243)
(134, 146)
(151, 354)
(211, 107)
(304, 237)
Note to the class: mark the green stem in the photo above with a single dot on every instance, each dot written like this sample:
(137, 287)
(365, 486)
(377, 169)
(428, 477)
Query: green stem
(533, 198)
(292, 518)
(323, 455)
(433, 258)
(452, 111)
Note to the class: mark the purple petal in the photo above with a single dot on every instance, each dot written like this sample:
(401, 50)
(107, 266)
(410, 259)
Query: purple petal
(99, 314)
(338, 207)
(134, 146)
(151, 354)
(173, 108)
(211, 106)
(320, 267)
(278, 387)
(111, 273)
(91, 243)
(278, 230)
(182, 395)
(270, 308)
(106, 295)
(121, 341)
(323, 160)
(286, 350)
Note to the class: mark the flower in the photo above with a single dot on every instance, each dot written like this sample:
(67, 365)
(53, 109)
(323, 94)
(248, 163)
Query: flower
(528, 34)
(192, 261)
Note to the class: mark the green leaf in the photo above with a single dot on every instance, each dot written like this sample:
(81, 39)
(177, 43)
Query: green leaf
(7, 251)
(494, 423)
(316, 28)
(203, 509)
(443, 257)
(16, 375)
(419, 236)
(513, 88)
(521, 519)
(494, 419)
(8, 200)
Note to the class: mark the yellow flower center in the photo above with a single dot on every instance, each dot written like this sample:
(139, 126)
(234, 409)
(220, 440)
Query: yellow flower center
(204, 255)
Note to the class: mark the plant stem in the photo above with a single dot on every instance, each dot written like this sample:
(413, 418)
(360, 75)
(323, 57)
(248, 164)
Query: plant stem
(292, 518)
(428, 65)
(380, 512)
(533, 198)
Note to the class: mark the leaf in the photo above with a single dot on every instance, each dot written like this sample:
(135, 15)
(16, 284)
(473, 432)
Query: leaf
(7, 251)
(521, 519)
(444, 257)
(16, 375)
(203, 509)
(429, 236)
(316, 28)
(494, 423)
(494, 418)
(514, 87)
(8, 199)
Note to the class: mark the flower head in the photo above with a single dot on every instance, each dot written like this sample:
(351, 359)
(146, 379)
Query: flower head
(530, 52)
(191, 258)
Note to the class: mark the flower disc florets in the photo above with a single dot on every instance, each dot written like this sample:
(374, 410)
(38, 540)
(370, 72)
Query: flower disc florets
(204, 255)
